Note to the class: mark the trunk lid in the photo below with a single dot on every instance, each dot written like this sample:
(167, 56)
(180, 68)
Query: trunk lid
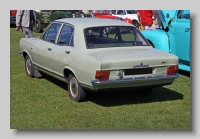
(133, 58)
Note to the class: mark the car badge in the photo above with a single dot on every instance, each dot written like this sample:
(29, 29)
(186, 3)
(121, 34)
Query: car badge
(141, 65)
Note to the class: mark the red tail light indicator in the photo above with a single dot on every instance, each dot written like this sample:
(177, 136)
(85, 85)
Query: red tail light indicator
(172, 70)
(102, 75)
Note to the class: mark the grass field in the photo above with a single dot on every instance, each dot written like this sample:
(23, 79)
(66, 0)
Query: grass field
(44, 103)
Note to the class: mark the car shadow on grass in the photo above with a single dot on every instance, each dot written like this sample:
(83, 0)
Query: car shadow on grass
(122, 96)
(185, 73)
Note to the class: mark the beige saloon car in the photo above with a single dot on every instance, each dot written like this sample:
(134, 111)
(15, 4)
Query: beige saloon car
(80, 52)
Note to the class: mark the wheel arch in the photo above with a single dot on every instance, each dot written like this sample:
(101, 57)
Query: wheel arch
(24, 53)
(158, 39)
(67, 71)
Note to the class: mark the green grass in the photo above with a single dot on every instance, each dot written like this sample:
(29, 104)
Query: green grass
(44, 103)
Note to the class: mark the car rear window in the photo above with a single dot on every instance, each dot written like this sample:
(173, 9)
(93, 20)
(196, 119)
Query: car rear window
(113, 36)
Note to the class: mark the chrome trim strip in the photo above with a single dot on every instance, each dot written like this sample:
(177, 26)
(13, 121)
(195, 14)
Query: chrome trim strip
(147, 78)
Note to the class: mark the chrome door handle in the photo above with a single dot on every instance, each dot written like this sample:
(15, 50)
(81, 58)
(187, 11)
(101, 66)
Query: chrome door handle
(49, 49)
(67, 52)
(187, 29)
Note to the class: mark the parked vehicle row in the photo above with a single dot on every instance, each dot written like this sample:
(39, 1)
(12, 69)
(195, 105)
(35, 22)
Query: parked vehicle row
(13, 17)
(129, 16)
(44, 17)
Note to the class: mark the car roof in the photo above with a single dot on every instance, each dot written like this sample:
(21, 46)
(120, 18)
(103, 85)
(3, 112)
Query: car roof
(89, 22)
(81, 23)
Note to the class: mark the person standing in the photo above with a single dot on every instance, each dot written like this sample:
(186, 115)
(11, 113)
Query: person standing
(145, 17)
(25, 20)
(157, 22)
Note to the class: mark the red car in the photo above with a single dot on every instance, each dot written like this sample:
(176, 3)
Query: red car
(107, 15)
(99, 12)
(13, 12)
(13, 16)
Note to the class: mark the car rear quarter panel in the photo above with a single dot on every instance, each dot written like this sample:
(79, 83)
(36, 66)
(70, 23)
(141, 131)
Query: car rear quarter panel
(83, 67)
(158, 38)
(26, 45)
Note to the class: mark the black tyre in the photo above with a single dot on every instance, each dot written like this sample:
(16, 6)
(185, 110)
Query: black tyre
(76, 92)
(144, 91)
(29, 66)
(39, 28)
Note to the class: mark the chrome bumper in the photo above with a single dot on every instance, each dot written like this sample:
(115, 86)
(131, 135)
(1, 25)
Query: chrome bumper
(132, 80)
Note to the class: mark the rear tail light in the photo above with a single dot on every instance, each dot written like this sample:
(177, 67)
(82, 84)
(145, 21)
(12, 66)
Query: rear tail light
(102, 75)
(172, 70)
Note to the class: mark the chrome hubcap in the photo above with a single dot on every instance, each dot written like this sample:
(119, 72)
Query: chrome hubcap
(74, 87)
(28, 66)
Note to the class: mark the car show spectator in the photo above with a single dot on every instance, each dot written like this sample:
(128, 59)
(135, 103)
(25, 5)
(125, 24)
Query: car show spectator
(145, 18)
(26, 19)
(157, 23)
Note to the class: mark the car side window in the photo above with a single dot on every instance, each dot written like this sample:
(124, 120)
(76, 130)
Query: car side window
(66, 36)
(119, 12)
(51, 34)
(113, 11)
(183, 14)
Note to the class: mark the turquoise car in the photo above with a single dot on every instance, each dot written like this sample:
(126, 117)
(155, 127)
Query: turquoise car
(173, 35)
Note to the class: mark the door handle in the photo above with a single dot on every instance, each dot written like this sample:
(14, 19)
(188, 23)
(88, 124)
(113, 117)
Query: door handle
(67, 52)
(49, 49)
(187, 29)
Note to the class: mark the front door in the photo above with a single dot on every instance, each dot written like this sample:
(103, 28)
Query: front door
(180, 31)
(45, 47)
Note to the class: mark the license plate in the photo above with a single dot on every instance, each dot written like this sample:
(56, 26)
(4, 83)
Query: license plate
(138, 71)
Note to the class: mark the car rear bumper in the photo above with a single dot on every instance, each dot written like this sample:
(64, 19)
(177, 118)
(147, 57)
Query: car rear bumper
(135, 82)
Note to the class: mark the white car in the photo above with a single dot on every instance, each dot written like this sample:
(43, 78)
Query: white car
(130, 14)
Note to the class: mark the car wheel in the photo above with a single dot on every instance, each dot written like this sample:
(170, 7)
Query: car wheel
(29, 66)
(143, 91)
(76, 92)
(39, 28)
